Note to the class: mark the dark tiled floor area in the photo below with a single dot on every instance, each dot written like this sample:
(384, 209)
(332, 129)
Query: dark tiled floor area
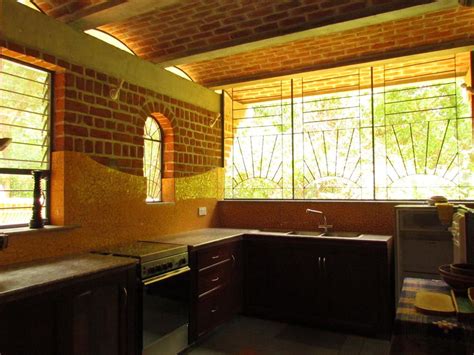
(251, 336)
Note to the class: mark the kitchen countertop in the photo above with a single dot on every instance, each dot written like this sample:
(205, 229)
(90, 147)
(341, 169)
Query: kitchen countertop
(361, 238)
(201, 237)
(26, 279)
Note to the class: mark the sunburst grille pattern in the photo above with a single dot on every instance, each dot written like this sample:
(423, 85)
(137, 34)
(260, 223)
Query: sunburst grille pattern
(398, 131)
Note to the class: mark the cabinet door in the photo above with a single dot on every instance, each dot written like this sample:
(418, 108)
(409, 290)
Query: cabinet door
(283, 279)
(304, 275)
(235, 285)
(353, 287)
(268, 284)
(93, 316)
(30, 326)
(101, 316)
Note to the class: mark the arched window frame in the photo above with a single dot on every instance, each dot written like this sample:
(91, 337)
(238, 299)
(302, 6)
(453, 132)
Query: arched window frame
(153, 134)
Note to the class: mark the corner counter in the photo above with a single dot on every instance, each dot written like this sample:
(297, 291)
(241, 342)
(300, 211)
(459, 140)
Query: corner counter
(27, 279)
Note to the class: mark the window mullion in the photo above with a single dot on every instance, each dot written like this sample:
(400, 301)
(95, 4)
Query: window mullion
(372, 113)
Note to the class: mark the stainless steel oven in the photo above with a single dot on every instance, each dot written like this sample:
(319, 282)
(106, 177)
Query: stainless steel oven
(163, 295)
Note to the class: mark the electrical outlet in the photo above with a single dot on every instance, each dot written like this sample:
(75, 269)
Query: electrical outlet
(202, 211)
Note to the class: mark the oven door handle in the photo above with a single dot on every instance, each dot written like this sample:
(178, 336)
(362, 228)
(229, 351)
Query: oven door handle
(159, 278)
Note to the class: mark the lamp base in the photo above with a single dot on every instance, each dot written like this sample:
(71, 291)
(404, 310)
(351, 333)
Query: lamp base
(36, 224)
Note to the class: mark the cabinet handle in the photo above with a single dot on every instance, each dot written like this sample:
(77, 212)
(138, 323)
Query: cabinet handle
(215, 257)
(215, 279)
(319, 263)
(233, 259)
(324, 264)
(125, 297)
(214, 310)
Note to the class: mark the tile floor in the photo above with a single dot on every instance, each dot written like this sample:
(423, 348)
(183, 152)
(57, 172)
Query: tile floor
(251, 336)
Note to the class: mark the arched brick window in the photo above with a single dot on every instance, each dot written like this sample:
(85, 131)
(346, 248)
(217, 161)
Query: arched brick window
(153, 159)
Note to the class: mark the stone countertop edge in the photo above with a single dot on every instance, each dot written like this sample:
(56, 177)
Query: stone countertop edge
(26, 279)
(46, 229)
(201, 237)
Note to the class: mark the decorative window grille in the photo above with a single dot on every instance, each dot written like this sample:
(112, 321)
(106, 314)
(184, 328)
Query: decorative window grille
(260, 162)
(152, 159)
(401, 131)
(25, 117)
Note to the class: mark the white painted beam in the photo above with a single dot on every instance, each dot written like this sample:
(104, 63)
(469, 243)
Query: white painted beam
(24, 26)
(118, 13)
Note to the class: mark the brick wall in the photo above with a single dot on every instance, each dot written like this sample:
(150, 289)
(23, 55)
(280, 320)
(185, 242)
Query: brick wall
(87, 120)
(195, 26)
(438, 30)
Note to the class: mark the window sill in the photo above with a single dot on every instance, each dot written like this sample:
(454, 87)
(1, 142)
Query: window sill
(47, 228)
(398, 202)
(160, 203)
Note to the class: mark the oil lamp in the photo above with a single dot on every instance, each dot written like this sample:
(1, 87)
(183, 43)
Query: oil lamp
(36, 220)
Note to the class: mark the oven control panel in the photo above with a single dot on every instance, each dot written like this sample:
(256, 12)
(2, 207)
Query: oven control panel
(163, 265)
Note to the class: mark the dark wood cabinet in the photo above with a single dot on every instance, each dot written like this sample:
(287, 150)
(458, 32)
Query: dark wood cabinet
(342, 284)
(91, 315)
(216, 287)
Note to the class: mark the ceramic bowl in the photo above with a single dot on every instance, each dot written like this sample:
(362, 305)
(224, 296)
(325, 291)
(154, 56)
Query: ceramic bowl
(463, 269)
(436, 199)
(460, 283)
(470, 294)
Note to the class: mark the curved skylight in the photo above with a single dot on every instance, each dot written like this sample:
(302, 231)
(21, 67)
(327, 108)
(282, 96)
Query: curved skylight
(179, 72)
(29, 4)
(105, 37)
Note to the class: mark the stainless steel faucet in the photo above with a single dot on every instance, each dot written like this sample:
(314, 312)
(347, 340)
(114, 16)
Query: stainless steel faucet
(324, 226)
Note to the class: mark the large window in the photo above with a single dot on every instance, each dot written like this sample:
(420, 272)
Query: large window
(391, 132)
(25, 109)
(152, 159)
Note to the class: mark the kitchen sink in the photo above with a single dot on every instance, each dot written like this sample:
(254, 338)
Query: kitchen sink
(342, 234)
(276, 230)
(327, 234)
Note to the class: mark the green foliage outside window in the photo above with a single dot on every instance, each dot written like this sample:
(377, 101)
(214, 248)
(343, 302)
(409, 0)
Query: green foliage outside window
(406, 140)
(25, 118)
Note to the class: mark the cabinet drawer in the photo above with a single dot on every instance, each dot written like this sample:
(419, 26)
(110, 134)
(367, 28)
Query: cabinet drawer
(211, 311)
(213, 277)
(213, 255)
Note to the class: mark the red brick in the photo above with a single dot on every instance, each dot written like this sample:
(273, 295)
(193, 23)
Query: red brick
(76, 106)
(76, 130)
(101, 112)
(78, 145)
(88, 146)
(117, 149)
(96, 133)
(98, 147)
(108, 148)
